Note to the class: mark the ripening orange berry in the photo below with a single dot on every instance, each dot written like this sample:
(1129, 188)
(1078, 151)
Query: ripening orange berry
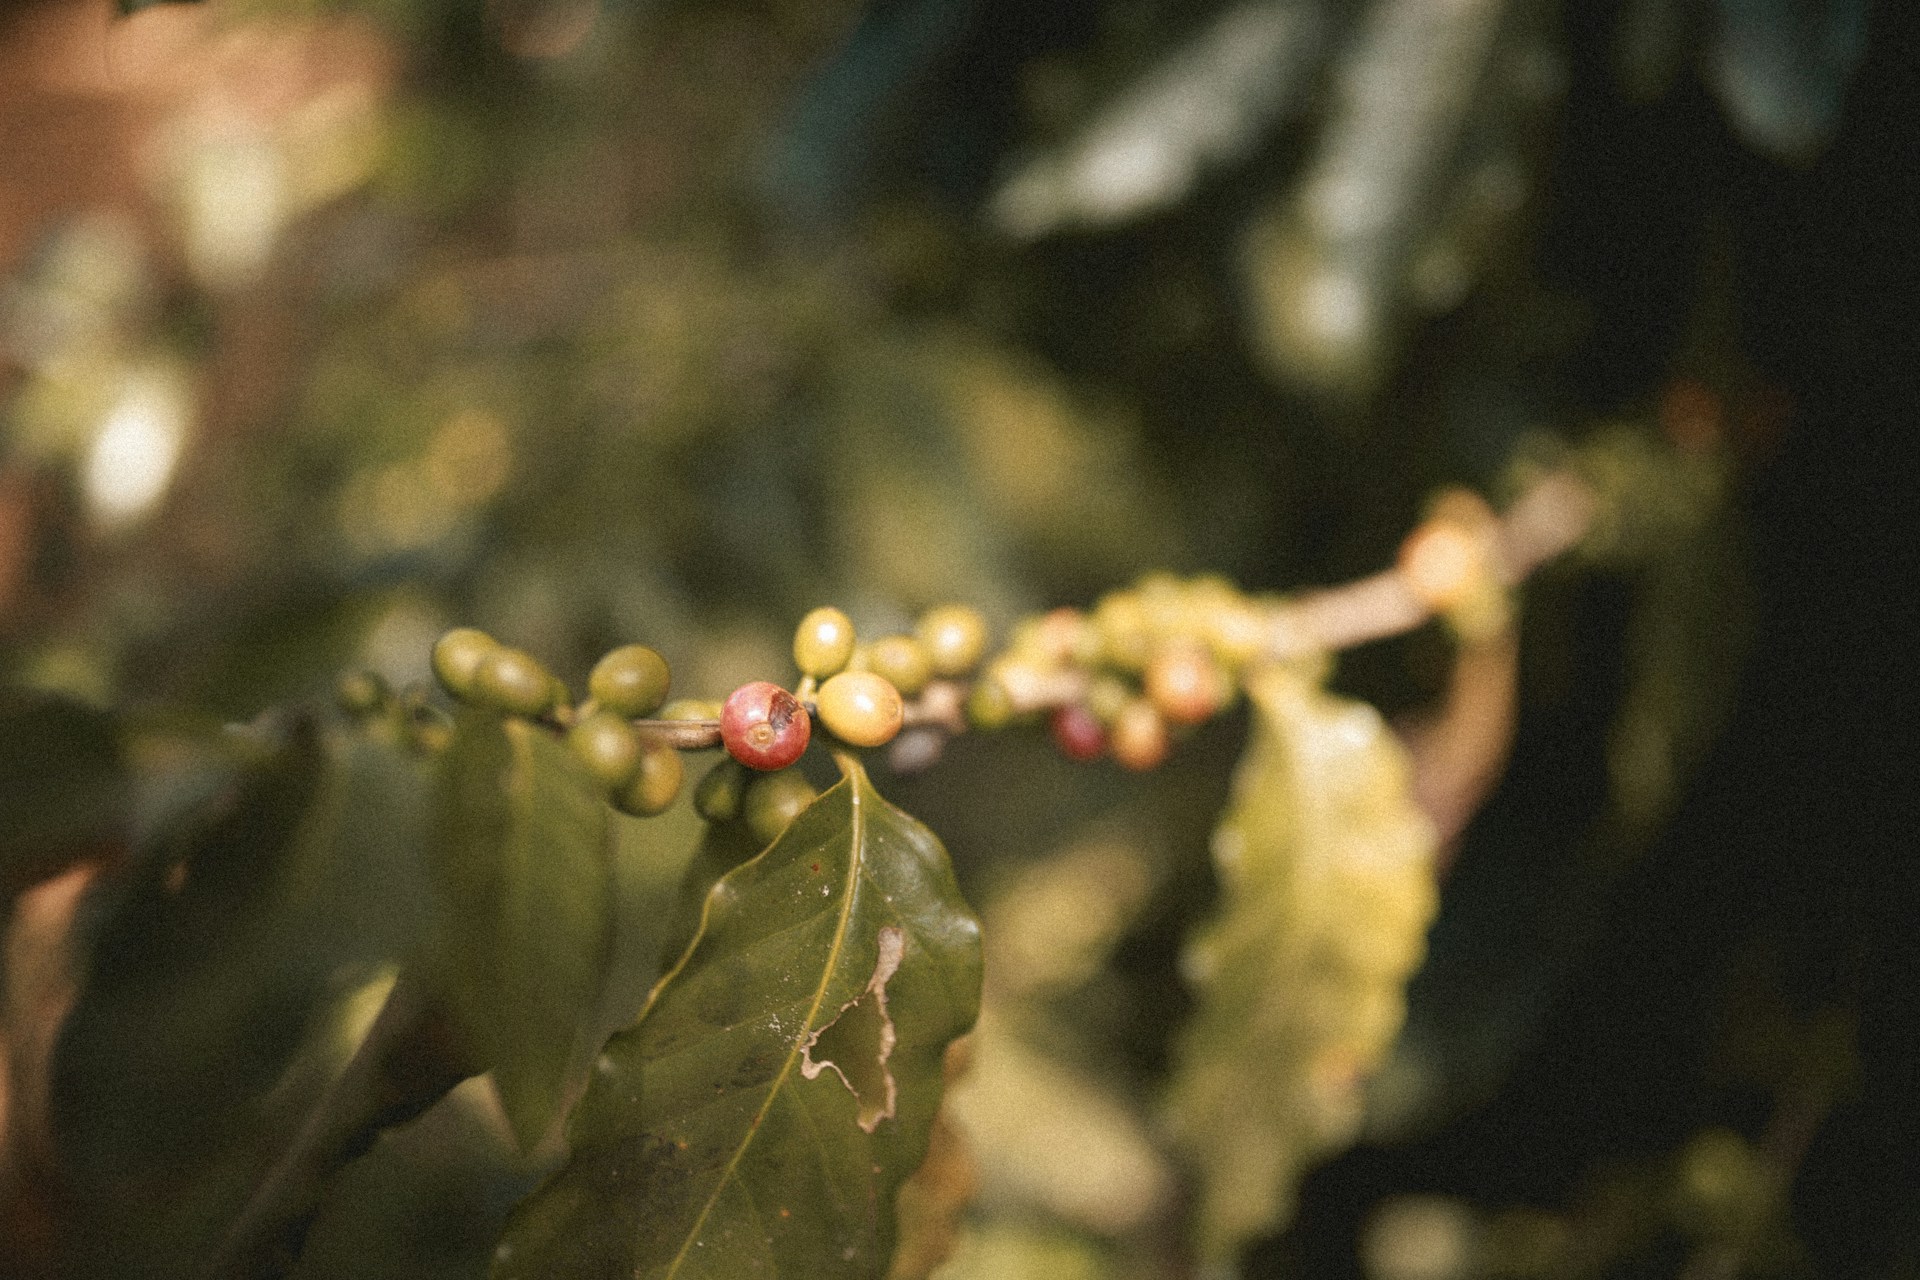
(1185, 684)
(1138, 736)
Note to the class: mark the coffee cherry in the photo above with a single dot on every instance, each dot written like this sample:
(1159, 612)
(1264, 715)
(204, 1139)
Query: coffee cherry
(655, 783)
(717, 798)
(823, 643)
(954, 637)
(1185, 684)
(1106, 695)
(630, 681)
(860, 708)
(1126, 641)
(689, 709)
(900, 661)
(773, 800)
(1077, 732)
(606, 745)
(764, 726)
(513, 681)
(989, 706)
(361, 693)
(1138, 736)
(457, 656)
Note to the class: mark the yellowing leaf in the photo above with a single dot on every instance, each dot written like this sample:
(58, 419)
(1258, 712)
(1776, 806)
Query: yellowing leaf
(780, 1086)
(1327, 889)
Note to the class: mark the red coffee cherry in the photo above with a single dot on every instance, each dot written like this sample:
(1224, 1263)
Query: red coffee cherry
(1078, 733)
(764, 726)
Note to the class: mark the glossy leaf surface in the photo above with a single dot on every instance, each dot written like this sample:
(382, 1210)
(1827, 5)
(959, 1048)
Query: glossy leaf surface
(760, 1117)
(1327, 890)
(523, 853)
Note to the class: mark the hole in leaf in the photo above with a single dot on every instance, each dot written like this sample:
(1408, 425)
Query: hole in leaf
(856, 1044)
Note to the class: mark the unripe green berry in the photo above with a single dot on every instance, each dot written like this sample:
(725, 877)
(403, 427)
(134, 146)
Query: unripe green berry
(989, 706)
(513, 681)
(901, 661)
(860, 708)
(823, 642)
(606, 745)
(655, 783)
(361, 693)
(773, 800)
(429, 731)
(689, 709)
(954, 636)
(457, 656)
(717, 798)
(630, 681)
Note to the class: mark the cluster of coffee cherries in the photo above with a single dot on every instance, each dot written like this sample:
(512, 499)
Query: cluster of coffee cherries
(1146, 664)
(1126, 677)
(1123, 680)
(629, 735)
(640, 771)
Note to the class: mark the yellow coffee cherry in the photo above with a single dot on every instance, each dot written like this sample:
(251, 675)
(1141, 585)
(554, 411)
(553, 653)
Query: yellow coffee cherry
(860, 708)
(954, 636)
(823, 642)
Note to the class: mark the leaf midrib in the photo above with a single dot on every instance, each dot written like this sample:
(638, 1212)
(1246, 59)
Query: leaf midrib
(857, 818)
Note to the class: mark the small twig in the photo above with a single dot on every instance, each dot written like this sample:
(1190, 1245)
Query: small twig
(1551, 516)
(683, 735)
(407, 1062)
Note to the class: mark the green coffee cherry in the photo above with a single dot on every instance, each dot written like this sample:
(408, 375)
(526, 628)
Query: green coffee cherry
(513, 681)
(773, 800)
(690, 709)
(989, 706)
(606, 745)
(429, 731)
(655, 783)
(954, 636)
(457, 656)
(901, 661)
(823, 643)
(361, 693)
(717, 798)
(630, 681)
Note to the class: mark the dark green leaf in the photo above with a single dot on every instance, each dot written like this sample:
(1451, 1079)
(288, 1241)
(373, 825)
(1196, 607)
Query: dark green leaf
(63, 786)
(723, 846)
(216, 977)
(523, 850)
(783, 1080)
(1326, 869)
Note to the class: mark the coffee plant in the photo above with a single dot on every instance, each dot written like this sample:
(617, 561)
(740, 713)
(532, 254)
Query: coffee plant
(952, 640)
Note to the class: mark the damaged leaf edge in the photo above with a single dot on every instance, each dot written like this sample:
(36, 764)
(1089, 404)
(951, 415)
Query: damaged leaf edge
(893, 946)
